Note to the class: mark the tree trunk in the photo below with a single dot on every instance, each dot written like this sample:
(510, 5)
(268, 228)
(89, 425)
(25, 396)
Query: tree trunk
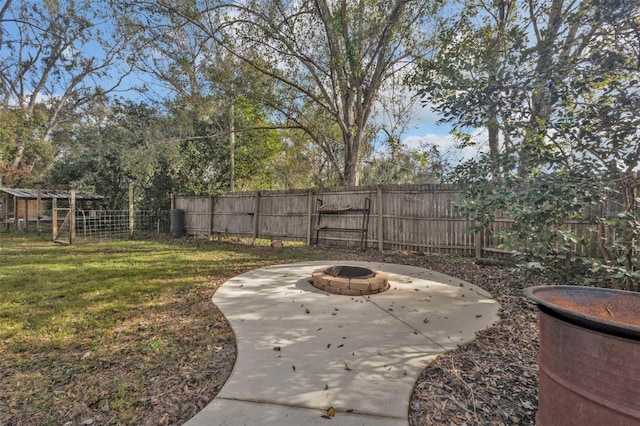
(350, 175)
(353, 145)
(602, 234)
(541, 96)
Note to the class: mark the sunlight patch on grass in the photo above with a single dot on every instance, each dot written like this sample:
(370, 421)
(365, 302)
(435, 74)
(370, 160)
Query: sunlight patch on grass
(70, 312)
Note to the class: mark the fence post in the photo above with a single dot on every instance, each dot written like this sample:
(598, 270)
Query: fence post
(380, 227)
(54, 217)
(15, 212)
(256, 216)
(26, 214)
(72, 217)
(309, 217)
(38, 209)
(131, 216)
(210, 214)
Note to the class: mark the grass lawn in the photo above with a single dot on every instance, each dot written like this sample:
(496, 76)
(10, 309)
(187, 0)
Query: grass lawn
(119, 332)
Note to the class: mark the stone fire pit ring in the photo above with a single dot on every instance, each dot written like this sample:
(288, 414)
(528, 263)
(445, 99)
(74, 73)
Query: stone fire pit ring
(350, 280)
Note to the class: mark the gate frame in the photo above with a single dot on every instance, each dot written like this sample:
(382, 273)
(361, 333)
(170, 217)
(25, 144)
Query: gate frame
(69, 218)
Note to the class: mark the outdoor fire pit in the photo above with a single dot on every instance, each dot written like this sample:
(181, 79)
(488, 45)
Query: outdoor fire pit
(350, 280)
(589, 353)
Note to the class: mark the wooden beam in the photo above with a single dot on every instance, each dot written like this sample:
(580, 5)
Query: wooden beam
(54, 218)
(131, 213)
(309, 217)
(380, 221)
(210, 224)
(256, 216)
(72, 216)
(26, 214)
(39, 209)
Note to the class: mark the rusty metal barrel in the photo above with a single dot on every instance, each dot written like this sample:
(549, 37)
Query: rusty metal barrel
(589, 358)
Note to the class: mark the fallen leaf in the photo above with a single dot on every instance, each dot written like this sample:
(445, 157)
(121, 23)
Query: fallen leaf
(346, 367)
(527, 405)
(331, 411)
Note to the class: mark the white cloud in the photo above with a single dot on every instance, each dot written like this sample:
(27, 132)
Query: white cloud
(448, 146)
(422, 113)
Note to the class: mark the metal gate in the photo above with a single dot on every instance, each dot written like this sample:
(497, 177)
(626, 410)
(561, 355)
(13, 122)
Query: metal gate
(65, 233)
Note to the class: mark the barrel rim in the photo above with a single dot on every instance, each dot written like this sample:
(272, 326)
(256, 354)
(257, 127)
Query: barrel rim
(540, 295)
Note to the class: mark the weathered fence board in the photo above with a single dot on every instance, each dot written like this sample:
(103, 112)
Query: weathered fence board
(402, 217)
(197, 214)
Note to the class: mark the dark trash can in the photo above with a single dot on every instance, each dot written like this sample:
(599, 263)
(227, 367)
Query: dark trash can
(177, 228)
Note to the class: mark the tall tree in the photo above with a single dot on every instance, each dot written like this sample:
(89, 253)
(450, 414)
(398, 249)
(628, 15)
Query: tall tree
(61, 55)
(212, 94)
(117, 143)
(329, 57)
(567, 102)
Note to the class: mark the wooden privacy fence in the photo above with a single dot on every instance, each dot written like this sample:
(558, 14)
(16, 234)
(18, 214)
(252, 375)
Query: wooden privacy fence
(400, 217)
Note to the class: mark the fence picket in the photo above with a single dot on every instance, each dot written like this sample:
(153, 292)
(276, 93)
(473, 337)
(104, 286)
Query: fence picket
(413, 217)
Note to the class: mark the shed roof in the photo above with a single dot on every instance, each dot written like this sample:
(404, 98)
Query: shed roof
(32, 194)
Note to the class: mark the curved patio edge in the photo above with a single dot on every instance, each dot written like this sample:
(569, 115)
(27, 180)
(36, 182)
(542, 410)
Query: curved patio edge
(302, 350)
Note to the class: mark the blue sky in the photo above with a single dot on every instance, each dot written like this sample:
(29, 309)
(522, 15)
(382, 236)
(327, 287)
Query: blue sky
(424, 127)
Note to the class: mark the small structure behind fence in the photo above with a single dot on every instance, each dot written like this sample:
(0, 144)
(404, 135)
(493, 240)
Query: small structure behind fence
(68, 215)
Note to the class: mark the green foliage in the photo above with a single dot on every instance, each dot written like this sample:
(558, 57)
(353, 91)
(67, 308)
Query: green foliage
(180, 150)
(21, 131)
(542, 206)
(402, 165)
(112, 148)
(326, 63)
(556, 89)
(55, 55)
(622, 267)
